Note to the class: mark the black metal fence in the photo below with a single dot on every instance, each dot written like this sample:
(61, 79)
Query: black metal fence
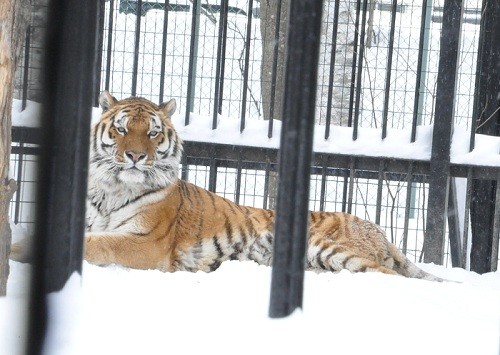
(383, 67)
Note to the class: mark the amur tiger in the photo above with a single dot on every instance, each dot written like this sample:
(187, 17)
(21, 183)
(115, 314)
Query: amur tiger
(141, 215)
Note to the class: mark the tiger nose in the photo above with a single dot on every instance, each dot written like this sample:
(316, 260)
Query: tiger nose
(135, 157)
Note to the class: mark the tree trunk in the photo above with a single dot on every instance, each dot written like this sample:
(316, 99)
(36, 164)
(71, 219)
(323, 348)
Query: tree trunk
(14, 15)
(269, 11)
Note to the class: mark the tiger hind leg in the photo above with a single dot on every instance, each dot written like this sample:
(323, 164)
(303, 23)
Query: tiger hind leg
(336, 258)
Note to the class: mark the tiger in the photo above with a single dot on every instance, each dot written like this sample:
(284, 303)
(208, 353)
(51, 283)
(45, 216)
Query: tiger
(141, 215)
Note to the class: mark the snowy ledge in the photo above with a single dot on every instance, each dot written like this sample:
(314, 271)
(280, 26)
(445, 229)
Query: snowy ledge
(369, 143)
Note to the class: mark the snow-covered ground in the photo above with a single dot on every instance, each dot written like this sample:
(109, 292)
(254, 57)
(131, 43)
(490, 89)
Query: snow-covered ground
(114, 310)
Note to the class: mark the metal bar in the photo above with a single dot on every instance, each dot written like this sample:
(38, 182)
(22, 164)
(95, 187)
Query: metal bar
(295, 157)
(360, 71)
(423, 48)
(163, 51)
(237, 192)
(185, 169)
(454, 226)
(441, 139)
(352, 177)
(60, 223)
(323, 189)
(212, 177)
(137, 41)
(19, 179)
(220, 63)
(389, 69)
(332, 68)
(478, 107)
(465, 234)
(345, 187)
(246, 66)
(193, 57)
(353, 69)
(98, 53)
(407, 207)
(110, 44)
(266, 184)
(224, 8)
(378, 207)
(275, 66)
(27, 51)
(496, 230)
(487, 118)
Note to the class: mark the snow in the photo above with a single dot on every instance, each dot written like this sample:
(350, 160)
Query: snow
(397, 144)
(114, 310)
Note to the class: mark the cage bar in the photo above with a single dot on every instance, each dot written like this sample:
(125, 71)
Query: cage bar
(354, 61)
(360, 71)
(110, 44)
(295, 157)
(193, 57)
(219, 73)
(246, 66)
(389, 68)
(441, 138)
(60, 223)
(380, 180)
(409, 184)
(332, 68)
(423, 46)
(275, 66)
(137, 41)
(163, 51)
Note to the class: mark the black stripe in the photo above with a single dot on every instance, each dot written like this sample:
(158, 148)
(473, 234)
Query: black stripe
(218, 247)
(320, 263)
(133, 200)
(346, 260)
(214, 266)
(229, 229)
(238, 249)
(212, 198)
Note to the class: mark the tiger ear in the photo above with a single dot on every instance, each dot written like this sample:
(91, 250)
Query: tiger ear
(107, 101)
(169, 107)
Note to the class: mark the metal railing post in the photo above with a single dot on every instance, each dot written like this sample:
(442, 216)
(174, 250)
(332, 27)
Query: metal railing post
(60, 219)
(291, 225)
(441, 139)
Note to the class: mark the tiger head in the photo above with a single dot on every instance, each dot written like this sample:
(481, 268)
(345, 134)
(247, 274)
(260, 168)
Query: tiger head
(135, 143)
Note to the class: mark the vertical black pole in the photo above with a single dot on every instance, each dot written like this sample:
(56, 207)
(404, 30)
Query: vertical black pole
(291, 226)
(98, 53)
(221, 60)
(360, 71)
(333, 55)
(163, 51)
(60, 222)
(110, 44)
(248, 39)
(487, 117)
(423, 48)
(441, 138)
(354, 61)
(390, 51)
(275, 67)
(137, 40)
(193, 57)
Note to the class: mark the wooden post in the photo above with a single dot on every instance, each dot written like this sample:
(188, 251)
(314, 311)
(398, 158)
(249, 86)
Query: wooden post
(14, 15)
